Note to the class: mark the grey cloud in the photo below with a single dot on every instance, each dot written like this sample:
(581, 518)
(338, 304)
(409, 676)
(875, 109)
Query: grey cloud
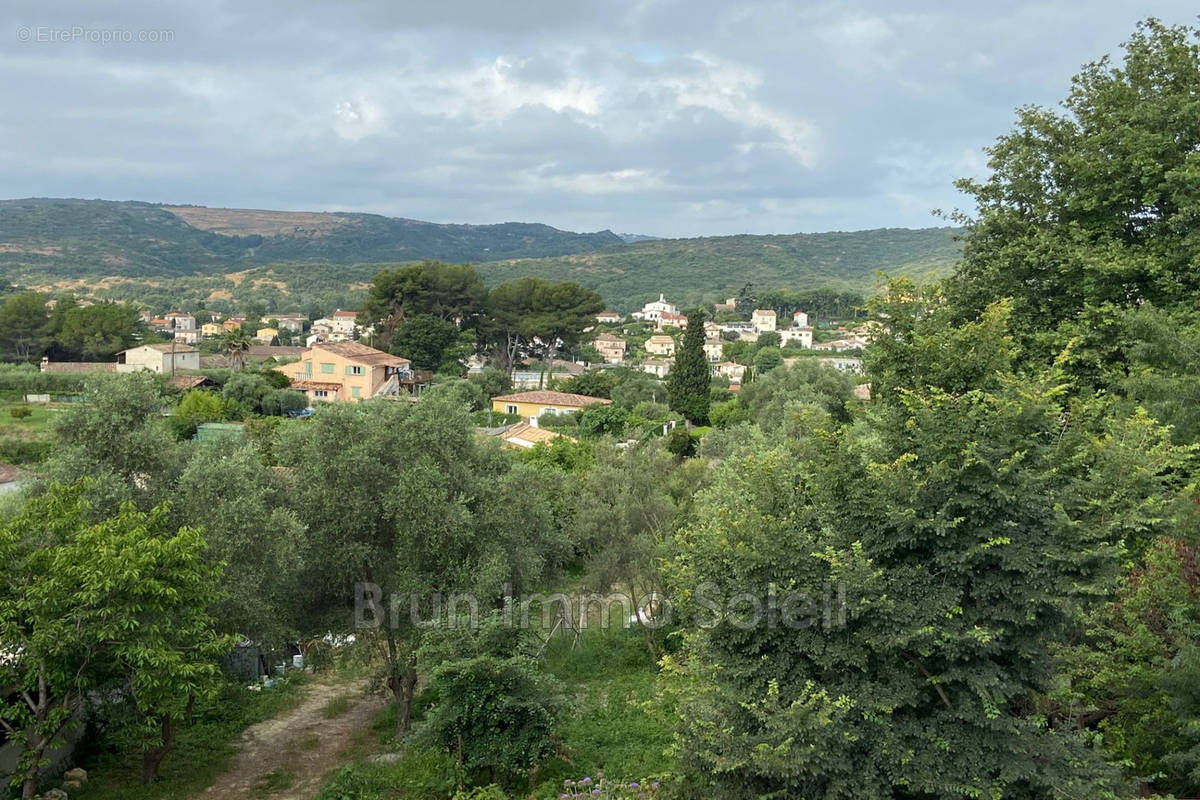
(657, 116)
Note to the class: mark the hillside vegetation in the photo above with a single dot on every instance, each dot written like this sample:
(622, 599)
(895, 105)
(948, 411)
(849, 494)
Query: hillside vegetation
(134, 239)
(716, 267)
(188, 255)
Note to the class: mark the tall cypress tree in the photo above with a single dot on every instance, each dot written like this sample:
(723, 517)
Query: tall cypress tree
(688, 383)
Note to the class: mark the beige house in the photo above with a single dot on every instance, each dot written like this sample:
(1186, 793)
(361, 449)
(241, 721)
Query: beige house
(212, 329)
(731, 370)
(660, 345)
(763, 320)
(266, 335)
(162, 358)
(608, 317)
(534, 404)
(611, 348)
(349, 372)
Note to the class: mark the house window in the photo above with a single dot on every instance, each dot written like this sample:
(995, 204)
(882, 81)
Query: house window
(308, 368)
(350, 370)
(327, 369)
(320, 394)
(355, 391)
(511, 408)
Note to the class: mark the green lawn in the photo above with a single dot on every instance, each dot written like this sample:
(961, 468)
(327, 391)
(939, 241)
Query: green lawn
(26, 441)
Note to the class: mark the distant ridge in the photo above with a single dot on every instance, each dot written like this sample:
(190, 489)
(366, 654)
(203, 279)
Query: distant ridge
(134, 239)
(168, 255)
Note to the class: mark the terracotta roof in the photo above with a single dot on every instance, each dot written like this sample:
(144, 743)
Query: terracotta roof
(79, 366)
(362, 354)
(765, 312)
(528, 433)
(185, 382)
(608, 337)
(167, 347)
(552, 398)
(275, 351)
(340, 313)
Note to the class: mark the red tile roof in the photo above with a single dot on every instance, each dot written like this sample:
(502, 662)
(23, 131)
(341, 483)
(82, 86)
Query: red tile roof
(360, 353)
(552, 398)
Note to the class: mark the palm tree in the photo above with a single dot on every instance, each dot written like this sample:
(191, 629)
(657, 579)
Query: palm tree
(236, 345)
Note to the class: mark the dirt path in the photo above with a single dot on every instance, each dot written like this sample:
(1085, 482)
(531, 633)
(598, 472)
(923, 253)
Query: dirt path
(287, 757)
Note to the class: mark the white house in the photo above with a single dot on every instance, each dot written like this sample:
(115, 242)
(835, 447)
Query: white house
(713, 349)
(654, 310)
(800, 319)
(763, 320)
(187, 335)
(180, 321)
(799, 336)
(658, 367)
(161, 358)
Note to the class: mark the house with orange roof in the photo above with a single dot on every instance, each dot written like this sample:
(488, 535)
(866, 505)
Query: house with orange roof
(534, 404)
(349, 372)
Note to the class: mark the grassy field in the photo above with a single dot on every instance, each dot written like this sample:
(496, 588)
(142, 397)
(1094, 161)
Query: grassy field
(25, 441)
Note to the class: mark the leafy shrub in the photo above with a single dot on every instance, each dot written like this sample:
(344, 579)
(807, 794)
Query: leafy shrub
(20, 412)
(498, 715)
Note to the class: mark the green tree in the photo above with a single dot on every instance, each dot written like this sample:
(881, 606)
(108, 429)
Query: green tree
(96, 332)
(689, 380)
(767, 359)
(498, 715)
(251, 528)
(83, 602)
(1092, 205)
(960, 528)
(526, 312)
(425, 340)
(197, 407)
(119, 439)
(236, 344)
(592, 383)
(24, 326)
(780, 397)
(453, 293)
(406, 497)
(768, 339)
(493, 381)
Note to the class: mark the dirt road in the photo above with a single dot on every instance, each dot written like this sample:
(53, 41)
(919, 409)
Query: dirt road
(288, 757)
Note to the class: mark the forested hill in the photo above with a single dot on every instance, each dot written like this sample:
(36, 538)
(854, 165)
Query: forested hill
(189, 252)
(133, 239)
(716, 267)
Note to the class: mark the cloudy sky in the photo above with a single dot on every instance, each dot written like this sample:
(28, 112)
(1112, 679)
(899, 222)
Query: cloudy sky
(683, 118)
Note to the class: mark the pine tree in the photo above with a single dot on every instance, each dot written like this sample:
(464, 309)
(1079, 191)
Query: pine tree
(688, 383)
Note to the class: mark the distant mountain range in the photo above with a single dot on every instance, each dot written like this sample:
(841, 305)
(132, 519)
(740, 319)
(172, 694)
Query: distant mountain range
(168, 254)
(132, 239)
